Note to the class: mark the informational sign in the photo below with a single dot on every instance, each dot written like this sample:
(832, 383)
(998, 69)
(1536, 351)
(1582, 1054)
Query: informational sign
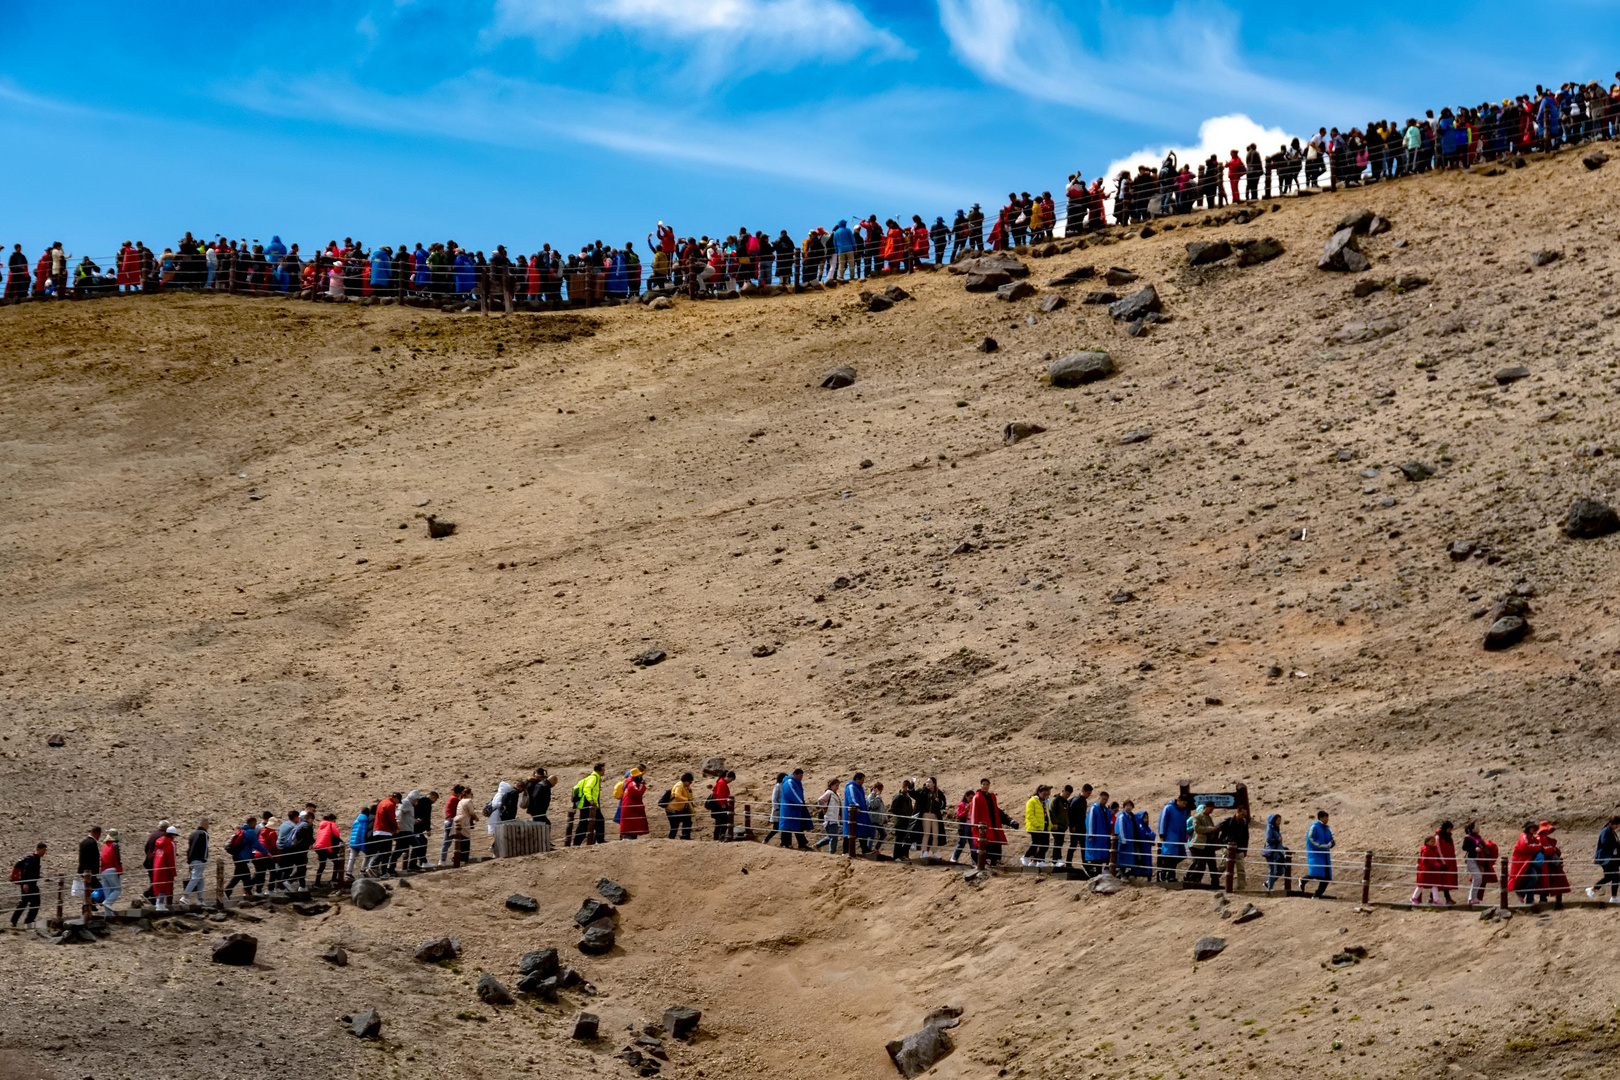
(1224, 800)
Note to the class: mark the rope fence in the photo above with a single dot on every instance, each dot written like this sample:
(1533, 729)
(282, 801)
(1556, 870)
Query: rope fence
(228, 884)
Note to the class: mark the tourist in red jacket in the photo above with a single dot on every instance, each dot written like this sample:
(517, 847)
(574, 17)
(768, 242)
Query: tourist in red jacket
(163, 867)
(985, 819)
(1554, 881)
(633, 806)
(1525, 864)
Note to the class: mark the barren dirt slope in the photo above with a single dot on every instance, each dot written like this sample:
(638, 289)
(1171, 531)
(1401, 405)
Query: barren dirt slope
(219, 586)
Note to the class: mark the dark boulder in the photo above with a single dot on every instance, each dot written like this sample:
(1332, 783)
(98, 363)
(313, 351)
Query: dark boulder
(988, 345)
(1101, 296)
(444, 948)
(1595, 160)
(612, 890)
(1137, 305)
(1118, 275)
(1506, 633)
(1051, 302)
(519, 902)
(1343, 254)
(541, 986)
(714, 766)
(1208, 948)
(367, 893)
(366, 1025)
(592, 910)
(586, 1026)
(895, 293)
(1589, 519)
(1077, 369)
(879, 302)
(1073, 277)
(649, 658)
(1016, 290)
(922, 1050)
(681, 1021)
(1204, 252)
(838, 378)
(598, 939)
(491, 991)
(1417, 471)
(1018, 431)
(1357, 221)
(1546, 258)
(237, 950)
(986, 282)
(1508, 375)
(1255, 252)
(542, 962)
(336, 955)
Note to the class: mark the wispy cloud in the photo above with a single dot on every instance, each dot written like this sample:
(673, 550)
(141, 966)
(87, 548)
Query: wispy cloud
(1154, 69)
(726, 35)
(484, 108)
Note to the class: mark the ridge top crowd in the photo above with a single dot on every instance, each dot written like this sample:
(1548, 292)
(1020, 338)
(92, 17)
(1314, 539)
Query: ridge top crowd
(1379, 151)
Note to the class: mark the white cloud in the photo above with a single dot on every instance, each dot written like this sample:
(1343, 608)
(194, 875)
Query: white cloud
(488, 109)
(727, 34)
(1219, 135)
(1145, 68)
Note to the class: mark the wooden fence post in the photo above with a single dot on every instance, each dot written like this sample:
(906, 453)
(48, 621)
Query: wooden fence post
(1366, 879)
(481, 283)
(1113, 854)
(61, 887)
(1231, 867)
(748, 821)
(89, 904)
(1507, 897)
(506, 287)
(230, 277)
(1288, 874)
(219, 884)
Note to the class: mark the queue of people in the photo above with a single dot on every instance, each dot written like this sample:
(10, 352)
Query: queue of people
(1080, 831)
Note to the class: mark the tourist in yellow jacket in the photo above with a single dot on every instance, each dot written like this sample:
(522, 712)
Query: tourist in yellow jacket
(1036, 825)
(588, 825)
(677, 804)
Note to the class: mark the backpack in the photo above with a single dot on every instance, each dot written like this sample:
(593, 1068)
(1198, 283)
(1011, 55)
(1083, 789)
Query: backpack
(16, 870)
(712, 805)
(1487, 851)
(666, 798)
(236, 843)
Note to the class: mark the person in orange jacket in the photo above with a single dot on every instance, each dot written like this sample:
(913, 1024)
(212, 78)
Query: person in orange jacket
(919, 241)
(896, 246)
(1235, 169)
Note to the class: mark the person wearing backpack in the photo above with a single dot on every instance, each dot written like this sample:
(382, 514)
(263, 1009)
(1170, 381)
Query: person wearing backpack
(241, 847)
(420, 829)
(25, 874)
(1480, 857)
(536, 797)
(677, 807)
(112, 870)
(457, 793)
(589, 828)
(296, 853)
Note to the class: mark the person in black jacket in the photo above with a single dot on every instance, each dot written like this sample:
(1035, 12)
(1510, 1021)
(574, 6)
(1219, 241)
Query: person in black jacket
(537, 795)
(904, 810)
(939, 232)
(1233, 833)
(1077, 822)
(27, 872)
(786, 254)
(89, 862)
(197, 860)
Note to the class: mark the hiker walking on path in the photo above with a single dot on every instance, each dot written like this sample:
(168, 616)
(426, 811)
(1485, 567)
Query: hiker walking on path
(25, 874)
(1319, 845)
(792, 815)
(1172, 837)
(632, 806)
(112, 871)
(987, 820)
(678, 808)
(1607, 858)
(589, 828)
(1480, 854)
(1277, 856)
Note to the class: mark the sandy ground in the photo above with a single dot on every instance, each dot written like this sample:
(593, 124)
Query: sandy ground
(219, 588)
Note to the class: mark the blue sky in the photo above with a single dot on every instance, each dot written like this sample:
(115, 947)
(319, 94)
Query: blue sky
(522, 121)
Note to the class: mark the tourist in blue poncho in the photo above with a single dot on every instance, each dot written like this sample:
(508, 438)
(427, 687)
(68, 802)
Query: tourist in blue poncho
(1318, 854)
(1135, 841)
(275, 249)
(1098, 829)
(792, 815)
(1172, 837)
(857, 825)
(380, 260)
(1277, 856)
(465, 273)
(618, 278)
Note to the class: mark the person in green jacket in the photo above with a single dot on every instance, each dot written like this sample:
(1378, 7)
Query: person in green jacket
(589, 828)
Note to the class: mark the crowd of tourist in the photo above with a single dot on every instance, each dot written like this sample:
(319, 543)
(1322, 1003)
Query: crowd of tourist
(1078, 831)
(446, 272)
